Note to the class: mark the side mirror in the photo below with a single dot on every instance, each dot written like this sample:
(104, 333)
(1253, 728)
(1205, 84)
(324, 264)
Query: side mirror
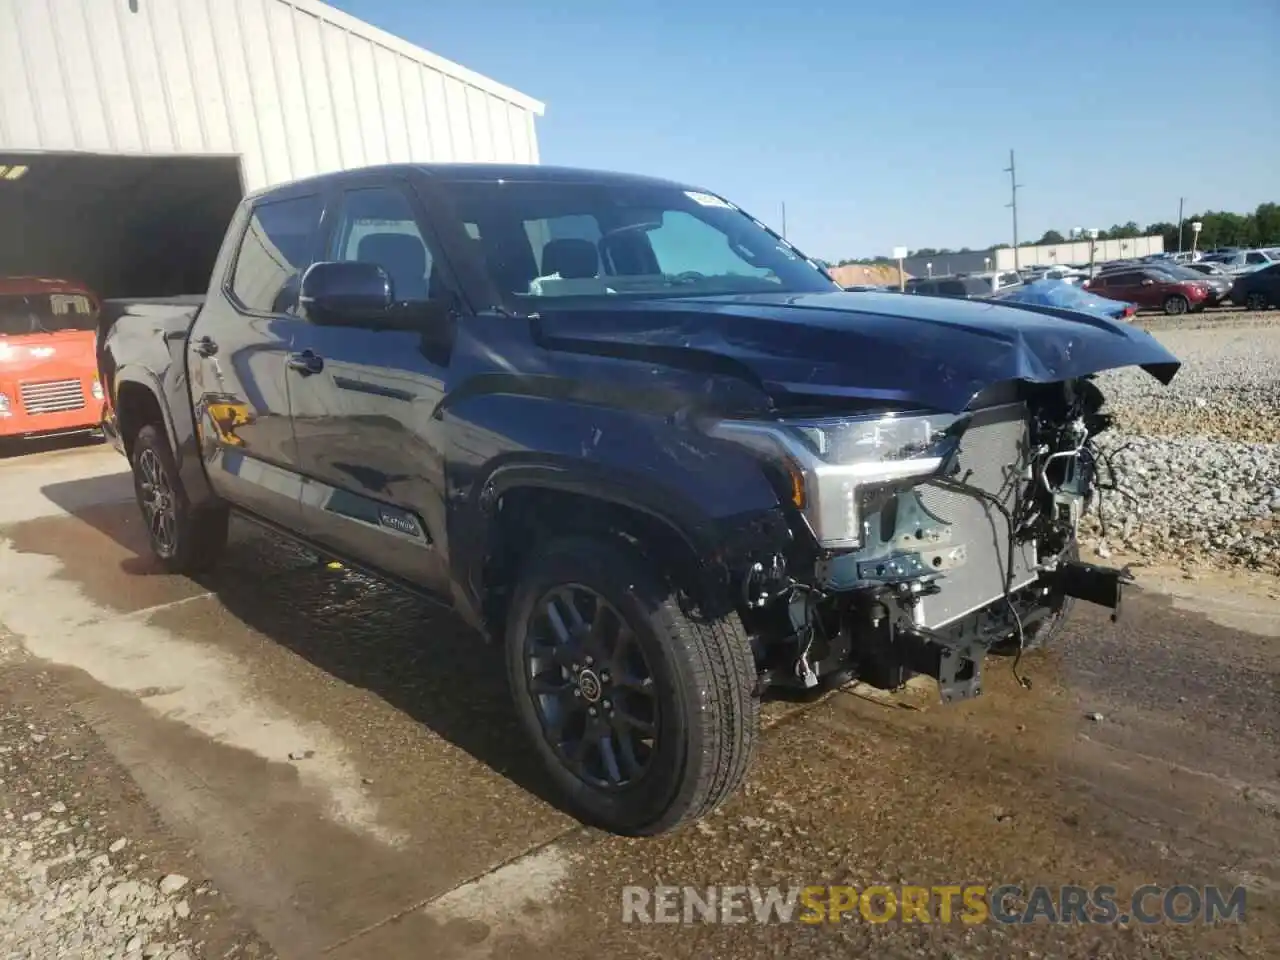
(345, 293)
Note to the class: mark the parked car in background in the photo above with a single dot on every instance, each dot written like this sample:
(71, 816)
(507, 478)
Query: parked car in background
(962, 288)
(998, 280)
(48, 367)
(1067, 296)
(1153, 288)
(1259, 289)
(1069, 274)
(1219, 285)
(1242, 261)
(1209, 268)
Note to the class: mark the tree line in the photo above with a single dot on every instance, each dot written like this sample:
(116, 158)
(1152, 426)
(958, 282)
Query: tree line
(1217, 229)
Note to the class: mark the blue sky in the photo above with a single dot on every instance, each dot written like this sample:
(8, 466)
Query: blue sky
(892, 125)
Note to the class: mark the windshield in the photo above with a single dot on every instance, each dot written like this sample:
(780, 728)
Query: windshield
(45, 313)
(542, 241)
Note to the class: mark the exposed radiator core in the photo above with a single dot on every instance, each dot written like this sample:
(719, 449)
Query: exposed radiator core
(993, 456)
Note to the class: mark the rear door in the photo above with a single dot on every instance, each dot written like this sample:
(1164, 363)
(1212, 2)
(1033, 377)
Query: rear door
(1128, 285)
(239, 345)
(369, 442)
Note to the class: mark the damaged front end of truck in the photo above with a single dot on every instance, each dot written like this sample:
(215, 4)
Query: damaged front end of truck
(927, 540)
(932, 461)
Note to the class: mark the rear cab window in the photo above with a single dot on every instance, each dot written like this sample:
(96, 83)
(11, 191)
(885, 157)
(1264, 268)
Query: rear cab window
(274, 251)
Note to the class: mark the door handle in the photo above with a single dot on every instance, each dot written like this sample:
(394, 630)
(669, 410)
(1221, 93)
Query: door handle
(204, 347)
(306, 362)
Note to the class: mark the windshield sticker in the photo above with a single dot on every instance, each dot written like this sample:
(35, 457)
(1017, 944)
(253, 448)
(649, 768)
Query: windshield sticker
(708, 200)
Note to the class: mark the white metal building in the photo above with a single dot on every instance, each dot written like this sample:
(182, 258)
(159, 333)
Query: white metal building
(130, 128)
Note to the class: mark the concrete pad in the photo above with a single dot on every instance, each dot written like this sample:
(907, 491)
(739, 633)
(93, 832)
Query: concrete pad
(338, 752)
(55, 481)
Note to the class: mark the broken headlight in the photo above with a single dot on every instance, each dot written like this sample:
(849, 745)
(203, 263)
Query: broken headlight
(830, 461)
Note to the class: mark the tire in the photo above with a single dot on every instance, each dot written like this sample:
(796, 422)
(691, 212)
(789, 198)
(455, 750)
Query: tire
(1256, 302)
(699, 698)
(1176, 305)
(184, 540)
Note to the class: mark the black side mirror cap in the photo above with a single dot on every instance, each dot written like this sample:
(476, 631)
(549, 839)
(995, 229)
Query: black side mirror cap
(345, 293)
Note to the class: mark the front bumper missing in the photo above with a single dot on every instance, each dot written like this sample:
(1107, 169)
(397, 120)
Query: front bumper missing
(896, 647)
(1094, 584)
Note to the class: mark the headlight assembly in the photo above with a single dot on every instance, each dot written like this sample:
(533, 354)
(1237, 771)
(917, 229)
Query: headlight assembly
(830, 461)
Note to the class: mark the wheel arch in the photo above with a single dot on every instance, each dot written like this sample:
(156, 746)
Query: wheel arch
(136, 403)
(522, 505)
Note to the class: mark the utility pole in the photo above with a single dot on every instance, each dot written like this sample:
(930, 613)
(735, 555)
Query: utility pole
(1013, 185)
(1180, 200)
(784, 219)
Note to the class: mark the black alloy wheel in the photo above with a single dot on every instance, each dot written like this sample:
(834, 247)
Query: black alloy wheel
(592, 686)
(642, 709)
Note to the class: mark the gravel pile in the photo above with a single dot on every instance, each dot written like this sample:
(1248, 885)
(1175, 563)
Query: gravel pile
(1198, 462)
(69, 890)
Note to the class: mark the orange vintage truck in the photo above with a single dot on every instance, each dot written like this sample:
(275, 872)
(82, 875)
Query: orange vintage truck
(48, 365)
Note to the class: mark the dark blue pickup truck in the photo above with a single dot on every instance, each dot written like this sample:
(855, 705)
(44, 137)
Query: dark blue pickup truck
(635, 437)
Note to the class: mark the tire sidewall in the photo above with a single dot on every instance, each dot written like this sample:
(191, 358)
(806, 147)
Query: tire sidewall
(1182, 302)
(621, 577)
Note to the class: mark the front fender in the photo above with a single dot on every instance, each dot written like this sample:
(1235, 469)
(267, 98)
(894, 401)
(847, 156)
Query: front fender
(717, 501)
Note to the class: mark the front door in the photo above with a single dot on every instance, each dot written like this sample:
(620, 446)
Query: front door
(368, 440)
(1128, 286)
(239, 348)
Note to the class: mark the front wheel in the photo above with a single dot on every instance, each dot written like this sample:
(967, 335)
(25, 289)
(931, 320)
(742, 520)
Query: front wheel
(644, 716)
(1256, 302)
(1176, 305)
(184, 540)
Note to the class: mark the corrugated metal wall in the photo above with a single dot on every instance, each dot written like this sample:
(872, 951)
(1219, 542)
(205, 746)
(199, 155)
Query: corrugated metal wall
(292, 86)
(1078, 251)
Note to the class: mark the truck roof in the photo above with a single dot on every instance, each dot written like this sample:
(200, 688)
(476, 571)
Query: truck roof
(458, 172)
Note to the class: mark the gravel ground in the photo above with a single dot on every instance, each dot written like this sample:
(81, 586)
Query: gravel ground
(86, 873)
(1198, 462)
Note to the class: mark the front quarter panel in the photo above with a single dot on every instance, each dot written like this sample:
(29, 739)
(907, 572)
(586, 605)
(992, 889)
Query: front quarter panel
(617, 430)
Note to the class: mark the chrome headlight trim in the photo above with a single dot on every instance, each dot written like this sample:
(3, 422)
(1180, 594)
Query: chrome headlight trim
(838, 457)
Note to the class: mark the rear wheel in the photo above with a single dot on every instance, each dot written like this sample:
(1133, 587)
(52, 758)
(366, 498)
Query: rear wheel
(644, 716)
(1256, 301)
(184, 540)
(1175, 305)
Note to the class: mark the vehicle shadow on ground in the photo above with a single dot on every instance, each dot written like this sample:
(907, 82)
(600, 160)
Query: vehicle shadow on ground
(11, 449)
(418, 657)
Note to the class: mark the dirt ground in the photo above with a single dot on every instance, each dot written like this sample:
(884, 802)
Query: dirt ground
(336, 767)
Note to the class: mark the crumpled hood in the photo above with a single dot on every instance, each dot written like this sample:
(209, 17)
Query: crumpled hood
(933, 352)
